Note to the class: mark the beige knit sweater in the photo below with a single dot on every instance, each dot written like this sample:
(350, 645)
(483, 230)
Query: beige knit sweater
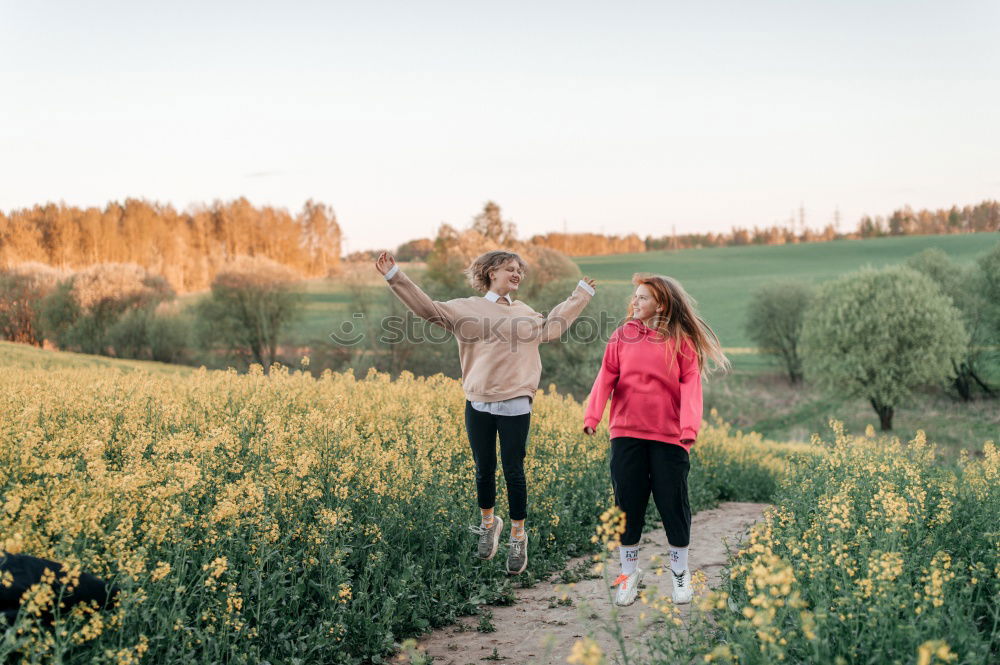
(497, 341)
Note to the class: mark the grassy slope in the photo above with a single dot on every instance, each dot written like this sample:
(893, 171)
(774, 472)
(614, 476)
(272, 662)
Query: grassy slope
(722, 279)
(766, 403)
(23, 355)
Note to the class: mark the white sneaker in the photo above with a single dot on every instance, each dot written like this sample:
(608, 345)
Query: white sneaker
(682, 587)
(628, 588)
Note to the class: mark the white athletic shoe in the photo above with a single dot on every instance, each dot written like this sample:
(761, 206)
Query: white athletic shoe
(682, 587)
(628, 588)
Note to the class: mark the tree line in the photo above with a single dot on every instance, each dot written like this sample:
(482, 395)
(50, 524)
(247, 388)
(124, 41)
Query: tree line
(186, 248)
(978, 218)
(123, 310)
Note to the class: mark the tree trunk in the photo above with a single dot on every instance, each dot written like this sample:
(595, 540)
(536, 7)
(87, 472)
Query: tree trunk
(793, 366)
(961, 381)
(258, 355)
(884, 412)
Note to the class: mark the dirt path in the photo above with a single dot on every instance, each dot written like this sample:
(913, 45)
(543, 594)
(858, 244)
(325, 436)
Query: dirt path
(539, 629)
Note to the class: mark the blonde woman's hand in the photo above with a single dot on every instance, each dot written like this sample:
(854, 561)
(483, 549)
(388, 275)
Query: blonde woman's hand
(384, 262)
(589, 431)
(590, 282)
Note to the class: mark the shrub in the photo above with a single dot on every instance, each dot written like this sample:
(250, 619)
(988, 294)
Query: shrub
(966, 289)
(22, 288)
(251, 303)
(774, 323)
(879, 334)
(82, 311)
(547, 266)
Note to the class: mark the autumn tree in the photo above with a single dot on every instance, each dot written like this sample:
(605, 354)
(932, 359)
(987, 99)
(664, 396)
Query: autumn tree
(186, 248)
(491, 225)
(415, 250)
(453, 252)
(545, 266)
(321, 236)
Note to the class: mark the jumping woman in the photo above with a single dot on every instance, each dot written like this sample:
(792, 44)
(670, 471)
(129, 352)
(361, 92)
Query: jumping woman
(652, 372)
(498, 338)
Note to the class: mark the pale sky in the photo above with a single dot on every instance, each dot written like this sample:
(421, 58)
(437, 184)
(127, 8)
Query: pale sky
(615, 117)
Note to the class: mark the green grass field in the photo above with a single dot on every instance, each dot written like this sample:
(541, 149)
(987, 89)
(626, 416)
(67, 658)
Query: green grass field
(29, 357)
(722, 279)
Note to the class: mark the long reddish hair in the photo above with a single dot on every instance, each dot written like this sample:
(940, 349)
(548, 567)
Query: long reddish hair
(680, 320)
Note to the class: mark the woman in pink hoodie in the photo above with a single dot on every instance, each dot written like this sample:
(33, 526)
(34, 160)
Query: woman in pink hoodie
(652, 372)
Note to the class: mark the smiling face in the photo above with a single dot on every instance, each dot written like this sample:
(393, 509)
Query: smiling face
(506, 278)
(644, 306)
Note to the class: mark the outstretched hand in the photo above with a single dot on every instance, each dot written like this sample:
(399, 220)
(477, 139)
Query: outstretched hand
(590, 282)
(384, 262)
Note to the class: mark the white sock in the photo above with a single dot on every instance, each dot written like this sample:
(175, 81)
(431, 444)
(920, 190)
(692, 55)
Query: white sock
(629, 556)
(678, 559)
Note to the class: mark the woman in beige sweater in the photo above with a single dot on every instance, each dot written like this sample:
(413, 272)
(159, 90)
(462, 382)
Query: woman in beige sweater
(498, 338)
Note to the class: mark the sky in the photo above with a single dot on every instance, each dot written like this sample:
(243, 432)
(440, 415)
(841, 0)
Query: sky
(644, 117)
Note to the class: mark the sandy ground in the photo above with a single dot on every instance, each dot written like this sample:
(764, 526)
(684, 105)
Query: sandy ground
(540, 629)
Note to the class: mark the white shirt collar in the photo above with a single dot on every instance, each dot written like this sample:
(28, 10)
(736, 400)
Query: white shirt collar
(493, 297)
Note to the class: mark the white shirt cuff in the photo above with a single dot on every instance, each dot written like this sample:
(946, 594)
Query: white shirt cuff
(392, 271)
(587, 287)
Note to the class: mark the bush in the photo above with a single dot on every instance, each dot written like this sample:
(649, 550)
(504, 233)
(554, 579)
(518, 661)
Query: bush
(22, 289)
(128, 337)
(251, 303)
(966, 289)
(774, 322)
(146, 334)
(81, 313)
(873, 553)
(547, 266)
(58, 314)
(415, 250)
(169, 337)
(879, 334)
(989, 287)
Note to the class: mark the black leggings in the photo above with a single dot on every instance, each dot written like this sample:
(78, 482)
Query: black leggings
(639, 466)
(513, 430)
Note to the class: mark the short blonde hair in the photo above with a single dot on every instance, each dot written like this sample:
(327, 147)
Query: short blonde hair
(479, 271)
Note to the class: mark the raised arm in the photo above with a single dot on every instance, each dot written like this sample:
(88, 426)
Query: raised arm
(691, 402)
(604, 385)
(418, 302)
(562, 315)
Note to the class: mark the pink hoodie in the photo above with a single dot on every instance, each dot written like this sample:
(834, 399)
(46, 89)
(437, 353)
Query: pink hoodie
(651, 397)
